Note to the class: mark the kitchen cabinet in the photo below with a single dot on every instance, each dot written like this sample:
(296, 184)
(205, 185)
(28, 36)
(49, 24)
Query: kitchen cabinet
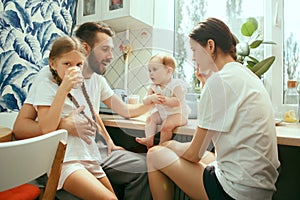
(119, 14)
(88, 11)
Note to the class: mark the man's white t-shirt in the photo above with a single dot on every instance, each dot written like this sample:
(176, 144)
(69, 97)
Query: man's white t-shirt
(236, 109)
(42, 92)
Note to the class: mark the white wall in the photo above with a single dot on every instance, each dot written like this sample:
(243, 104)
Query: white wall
(164, 14)
(163, 29)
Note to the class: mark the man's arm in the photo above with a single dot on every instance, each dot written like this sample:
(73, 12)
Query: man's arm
(126, 110)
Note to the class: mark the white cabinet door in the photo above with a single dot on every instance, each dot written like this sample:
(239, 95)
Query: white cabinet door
(112, 9)
(119, 14)
(128, 14)
(88, 11)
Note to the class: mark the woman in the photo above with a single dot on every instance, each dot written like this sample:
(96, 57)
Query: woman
(236, 114)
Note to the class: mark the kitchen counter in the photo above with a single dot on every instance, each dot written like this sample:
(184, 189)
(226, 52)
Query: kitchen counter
(287, 134)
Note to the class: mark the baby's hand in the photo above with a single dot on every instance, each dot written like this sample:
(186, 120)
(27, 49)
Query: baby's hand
(161, 99)
(158, 99)
(155, 99)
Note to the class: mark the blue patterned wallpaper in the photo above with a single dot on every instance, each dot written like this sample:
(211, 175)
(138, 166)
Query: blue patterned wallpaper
(27, 29)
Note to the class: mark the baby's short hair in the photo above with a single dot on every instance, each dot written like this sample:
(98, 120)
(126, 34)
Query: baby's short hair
(165, 59)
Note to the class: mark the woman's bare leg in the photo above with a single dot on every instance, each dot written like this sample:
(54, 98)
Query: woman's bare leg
(161, 186)
(90, 187)
(164, 165)
(169, 125)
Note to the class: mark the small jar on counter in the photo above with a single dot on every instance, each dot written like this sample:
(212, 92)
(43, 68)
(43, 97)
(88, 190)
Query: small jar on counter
(291, 103)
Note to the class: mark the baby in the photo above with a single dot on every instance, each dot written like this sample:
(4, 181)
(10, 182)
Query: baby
(168, 96)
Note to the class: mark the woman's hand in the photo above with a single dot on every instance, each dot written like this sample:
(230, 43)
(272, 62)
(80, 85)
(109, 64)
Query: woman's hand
(202, 77)
(178, 147)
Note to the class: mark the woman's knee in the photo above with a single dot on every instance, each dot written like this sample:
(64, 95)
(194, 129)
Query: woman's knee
(152, 151)
(159, 157)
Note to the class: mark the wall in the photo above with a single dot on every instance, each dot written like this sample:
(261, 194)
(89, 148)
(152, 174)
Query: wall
(163, 32)
(27, 29)
(144, 43)
(137, 75)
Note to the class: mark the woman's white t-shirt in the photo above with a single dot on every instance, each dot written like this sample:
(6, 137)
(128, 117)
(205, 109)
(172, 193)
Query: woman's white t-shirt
(236, 109)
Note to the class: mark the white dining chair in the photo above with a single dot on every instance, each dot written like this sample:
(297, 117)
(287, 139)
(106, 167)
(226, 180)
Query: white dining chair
(7, 119)
(22, 161)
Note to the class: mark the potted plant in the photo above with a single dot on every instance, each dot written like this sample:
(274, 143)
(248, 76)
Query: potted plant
(250, 30)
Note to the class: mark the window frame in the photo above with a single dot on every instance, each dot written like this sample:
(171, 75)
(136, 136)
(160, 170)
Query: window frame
(274, 31)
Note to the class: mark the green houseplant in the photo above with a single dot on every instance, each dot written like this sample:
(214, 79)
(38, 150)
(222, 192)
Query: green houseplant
(250, 30)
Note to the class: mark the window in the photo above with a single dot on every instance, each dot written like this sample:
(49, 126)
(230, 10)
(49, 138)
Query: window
(275, 21)
(189, 13)
(291, 42)
(281, 28)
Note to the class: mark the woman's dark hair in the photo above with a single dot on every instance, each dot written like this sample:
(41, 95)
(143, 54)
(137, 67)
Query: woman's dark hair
(87, 32)
(217, 31)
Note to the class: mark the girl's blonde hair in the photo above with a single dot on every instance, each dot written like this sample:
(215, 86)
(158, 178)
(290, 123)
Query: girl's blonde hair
(165, 59)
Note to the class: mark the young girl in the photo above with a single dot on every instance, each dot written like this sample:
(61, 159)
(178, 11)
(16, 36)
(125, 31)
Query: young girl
(168, 95)
(57, 98)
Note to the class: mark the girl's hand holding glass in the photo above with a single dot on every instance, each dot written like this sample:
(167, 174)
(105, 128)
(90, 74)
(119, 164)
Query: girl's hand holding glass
(72, 78)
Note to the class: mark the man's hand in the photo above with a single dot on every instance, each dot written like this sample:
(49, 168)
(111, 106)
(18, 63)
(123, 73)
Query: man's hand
(77, 125)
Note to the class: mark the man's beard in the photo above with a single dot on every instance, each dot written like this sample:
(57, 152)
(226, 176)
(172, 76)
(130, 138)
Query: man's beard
(95, 65)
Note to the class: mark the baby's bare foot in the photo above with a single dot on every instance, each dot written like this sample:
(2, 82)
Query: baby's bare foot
(145, 141)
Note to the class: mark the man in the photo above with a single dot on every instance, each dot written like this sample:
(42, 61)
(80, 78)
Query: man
(124, 169)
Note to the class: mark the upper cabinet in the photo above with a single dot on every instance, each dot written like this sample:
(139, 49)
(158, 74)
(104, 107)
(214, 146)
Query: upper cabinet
(119, 14)
(88, 11)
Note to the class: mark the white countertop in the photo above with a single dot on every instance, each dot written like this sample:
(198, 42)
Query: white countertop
(287, 134)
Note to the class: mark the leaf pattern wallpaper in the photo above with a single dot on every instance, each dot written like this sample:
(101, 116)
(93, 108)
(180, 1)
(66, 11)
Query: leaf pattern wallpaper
(27, 30)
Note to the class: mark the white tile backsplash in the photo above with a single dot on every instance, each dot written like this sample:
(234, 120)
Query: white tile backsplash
(138, 77)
